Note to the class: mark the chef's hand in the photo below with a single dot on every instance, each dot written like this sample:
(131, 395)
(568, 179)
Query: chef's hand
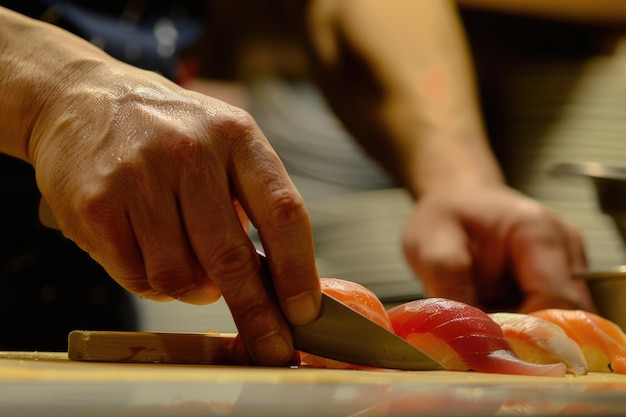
(492, 247)
(154, 182)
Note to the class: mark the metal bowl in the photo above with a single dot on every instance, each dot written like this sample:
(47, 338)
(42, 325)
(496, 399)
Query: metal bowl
(607, 285)
(610, 186)
(608, 290)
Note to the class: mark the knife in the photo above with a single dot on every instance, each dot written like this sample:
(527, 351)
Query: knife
(339, 333)
(343, 334)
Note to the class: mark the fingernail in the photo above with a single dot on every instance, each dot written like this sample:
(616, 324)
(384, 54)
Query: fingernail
(272, 349)
(302, 308)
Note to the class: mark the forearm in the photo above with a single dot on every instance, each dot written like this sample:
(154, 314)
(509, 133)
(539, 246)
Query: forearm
(399, 76)
(37, 61)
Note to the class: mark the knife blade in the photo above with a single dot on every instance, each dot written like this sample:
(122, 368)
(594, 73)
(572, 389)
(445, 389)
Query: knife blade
(343, 334)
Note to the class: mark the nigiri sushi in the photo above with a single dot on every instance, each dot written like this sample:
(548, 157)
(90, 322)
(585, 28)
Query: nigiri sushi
(462, 338)
(360, 299)
(601, 340)
(540, 341)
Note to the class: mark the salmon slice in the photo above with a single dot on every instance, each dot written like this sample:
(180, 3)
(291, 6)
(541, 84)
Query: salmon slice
(602, 341)
(540, 341)
(360, 299)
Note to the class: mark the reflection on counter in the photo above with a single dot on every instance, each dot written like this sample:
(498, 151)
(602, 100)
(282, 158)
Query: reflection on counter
(161, 390)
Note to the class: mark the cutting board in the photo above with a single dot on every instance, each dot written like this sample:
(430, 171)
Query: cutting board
(50, 381)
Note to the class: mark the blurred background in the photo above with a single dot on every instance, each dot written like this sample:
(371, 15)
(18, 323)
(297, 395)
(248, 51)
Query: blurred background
(552, 91)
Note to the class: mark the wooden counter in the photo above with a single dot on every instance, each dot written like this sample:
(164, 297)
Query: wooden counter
(48, 384)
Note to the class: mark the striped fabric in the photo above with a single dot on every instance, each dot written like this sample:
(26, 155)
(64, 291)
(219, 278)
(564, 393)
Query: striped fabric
(568, 111)
(551, 111)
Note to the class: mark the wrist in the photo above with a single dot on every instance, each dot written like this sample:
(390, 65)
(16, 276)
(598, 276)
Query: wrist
(38, 62)
(451, 161)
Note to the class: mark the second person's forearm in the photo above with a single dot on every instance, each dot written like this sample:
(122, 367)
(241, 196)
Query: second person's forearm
(399, 76)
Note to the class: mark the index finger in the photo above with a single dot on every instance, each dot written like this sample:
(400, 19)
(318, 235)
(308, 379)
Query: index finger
(436, 246)
(243, 167)
(224, 250)
(278, 211)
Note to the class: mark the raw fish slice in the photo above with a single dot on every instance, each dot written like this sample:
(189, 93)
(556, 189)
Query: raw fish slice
(462, 338)
(540, 341)
(601, 340)
(358, 298)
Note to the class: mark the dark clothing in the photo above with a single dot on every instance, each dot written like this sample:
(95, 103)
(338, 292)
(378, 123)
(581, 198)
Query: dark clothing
(49, 286)
(148, 34)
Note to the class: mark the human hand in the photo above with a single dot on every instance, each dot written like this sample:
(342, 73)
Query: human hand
(155, 182)
(494, 248)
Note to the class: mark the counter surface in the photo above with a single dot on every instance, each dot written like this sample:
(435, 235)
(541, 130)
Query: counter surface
(33, 384)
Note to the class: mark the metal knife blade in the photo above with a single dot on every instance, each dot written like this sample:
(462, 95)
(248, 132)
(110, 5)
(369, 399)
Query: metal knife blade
(346, 335)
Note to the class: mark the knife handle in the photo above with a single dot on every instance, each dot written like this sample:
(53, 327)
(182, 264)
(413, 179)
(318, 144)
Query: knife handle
(150, 347)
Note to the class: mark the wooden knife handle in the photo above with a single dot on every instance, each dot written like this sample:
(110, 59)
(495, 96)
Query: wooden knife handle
(149, 347)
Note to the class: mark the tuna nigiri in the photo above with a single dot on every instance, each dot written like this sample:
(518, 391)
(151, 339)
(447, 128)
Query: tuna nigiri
(540, 341)
(462, 337)
(360, 299)
(601, 340)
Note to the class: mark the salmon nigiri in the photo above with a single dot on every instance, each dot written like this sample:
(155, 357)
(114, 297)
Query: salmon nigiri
(601, 340)
(360, 299)
(462, 338)
(540, 341)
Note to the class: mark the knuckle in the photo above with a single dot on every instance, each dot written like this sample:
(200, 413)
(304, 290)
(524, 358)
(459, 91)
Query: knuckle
(174, 283)
(538, 223)
(96, 208)
(194, 146)
(241, 134)
(254, 313)
(127, 168)
(444, 261)
(437, 257)
(233, 269)
(533, 212)
(136, 286)
(183, 149)
(235, 123)
(140, 286)
(285, 208)
(230, 263)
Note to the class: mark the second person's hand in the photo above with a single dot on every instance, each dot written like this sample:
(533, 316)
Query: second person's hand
(495, 248)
